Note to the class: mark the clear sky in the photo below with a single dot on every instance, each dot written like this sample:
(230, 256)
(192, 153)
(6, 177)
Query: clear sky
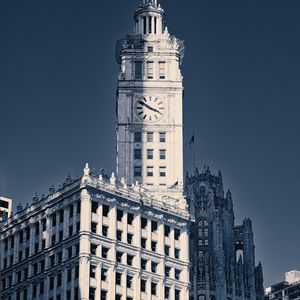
(241, 70)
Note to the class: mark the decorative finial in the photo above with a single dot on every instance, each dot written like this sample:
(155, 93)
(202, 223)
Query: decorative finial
(35, 198)
(112, 179)
(19, 207)
(52, 189)
(86, 170)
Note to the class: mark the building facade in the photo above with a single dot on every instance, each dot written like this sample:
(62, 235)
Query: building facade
(5, 208)
(285, 290)
(222, 252)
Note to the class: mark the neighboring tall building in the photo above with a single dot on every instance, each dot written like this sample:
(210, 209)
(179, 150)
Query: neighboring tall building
(5, 208)
(288, 289)
(222, 252)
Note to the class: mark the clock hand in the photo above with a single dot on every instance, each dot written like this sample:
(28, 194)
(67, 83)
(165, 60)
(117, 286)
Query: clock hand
(148, 106)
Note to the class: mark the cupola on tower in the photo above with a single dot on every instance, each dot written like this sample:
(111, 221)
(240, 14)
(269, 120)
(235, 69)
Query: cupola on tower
(149, 105)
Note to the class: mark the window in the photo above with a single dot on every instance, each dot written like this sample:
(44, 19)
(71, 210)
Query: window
(118, 278)
(94, 207)
(150, 137)
(36, 246)
(162, 171)
(129, 260)
(144, 223)
(177, 274)
(104, 252)
(61, 216)
(167, 292)
(103, 295)
(105, 210)
(119, 235)
(70, 252)
(94, 227)
(51, 282)
(162, 137)
(167, 250)
(150, 49)
(177, 234)
(153, 246)
(71, 209)
(129, 238)
(150, 69)
(153, 288)
(150, 154)
(69, 275)
(41, 287)
(162, 69)
(137, 154)
(167, 230)
(93, 271)
(143, 285)
(70, 230)
(104, 274)
(104, 230)
(162, 154)
(21, 237)
(129, 218)
(92, 293)
(150, 171)
(153, 226)
(120, 215)
(34, 289)
(143, 243)
(60, 235)
(78, 207)
(143, 264)
(77, 272)
(153, 267)
(177, 253)
(138, 69)
(137, 171)
(137, 137)
(129, 281)
(77, 226)
(59, 257)
(58, 280)
(177, 294)
(37, 229)
(119, 256)
(167, 271)
(118, 297)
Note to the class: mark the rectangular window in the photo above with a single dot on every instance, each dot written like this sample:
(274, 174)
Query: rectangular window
(162, 69)
(162, 137)
(119, 256)
(103, 295)
(138, 70)
(94, 227)
(93, 271)
(129, 281)
(177, 274)
(105, 210)
(119, 235)
(137, 171)
(70, 230)
(129, 260)
(167, 292)
(104, 274)
(162, 171)
(177, 253)
(150, 171)
(167, 271)
(162, 154)
(150, 70)
(129, 218)
(143, 243)
(138, 137)
(153, 246)
(153, 267)
(153, 288)
(167, 230)
(143, 264)
(150, 137)
(61, 216)
(177, 294)
(137, 153)
(150, 154)
(167, 250)
(69, 275)
(93, 249)
(92, 293)
(104, 230)
(150, 49)
(153, 226)
(104, 252)
(118, 278)
(144, 223)
(129, 238)
(143, 285)
(120, 214)
(177, 234)
(71, 210)
(94, 207)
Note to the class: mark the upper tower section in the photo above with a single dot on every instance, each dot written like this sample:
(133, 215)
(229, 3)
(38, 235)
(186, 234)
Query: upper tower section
(149, 18)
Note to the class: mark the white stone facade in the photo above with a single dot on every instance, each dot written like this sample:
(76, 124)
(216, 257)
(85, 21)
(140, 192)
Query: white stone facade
(149, 105)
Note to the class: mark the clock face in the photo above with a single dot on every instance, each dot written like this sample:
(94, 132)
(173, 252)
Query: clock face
(149, 109)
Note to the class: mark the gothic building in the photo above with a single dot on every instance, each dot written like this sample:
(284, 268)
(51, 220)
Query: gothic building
(139, 234)
(223, 260)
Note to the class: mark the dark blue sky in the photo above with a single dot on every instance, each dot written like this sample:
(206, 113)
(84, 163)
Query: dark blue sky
(58, 78)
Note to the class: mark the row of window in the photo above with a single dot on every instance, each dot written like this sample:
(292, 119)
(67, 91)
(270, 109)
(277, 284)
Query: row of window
(149, 68)
(145, 223)
(154, 290)
(56, 218)
(150, 154)
(39, 267)
(149, 137)
(150, 171)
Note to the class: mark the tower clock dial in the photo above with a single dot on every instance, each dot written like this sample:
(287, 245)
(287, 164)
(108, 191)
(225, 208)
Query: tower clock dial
(149, 108)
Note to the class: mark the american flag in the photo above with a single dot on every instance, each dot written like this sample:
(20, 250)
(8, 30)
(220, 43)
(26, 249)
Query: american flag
(192, 142)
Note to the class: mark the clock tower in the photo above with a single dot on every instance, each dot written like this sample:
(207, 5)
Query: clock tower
(149, 106)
